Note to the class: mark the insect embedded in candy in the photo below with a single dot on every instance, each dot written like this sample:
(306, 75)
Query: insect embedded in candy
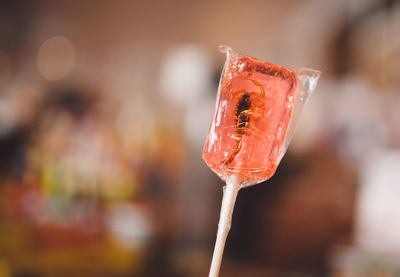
(243, 115)
(258, 104)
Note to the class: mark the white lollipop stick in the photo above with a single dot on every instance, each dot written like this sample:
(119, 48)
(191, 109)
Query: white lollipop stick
(224, 225)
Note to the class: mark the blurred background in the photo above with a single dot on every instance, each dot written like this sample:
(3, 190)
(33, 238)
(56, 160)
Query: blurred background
(104, 109)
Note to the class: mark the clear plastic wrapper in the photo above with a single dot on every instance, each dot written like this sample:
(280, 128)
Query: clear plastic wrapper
(258, 106)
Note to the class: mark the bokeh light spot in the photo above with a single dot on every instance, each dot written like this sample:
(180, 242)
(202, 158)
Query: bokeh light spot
(56, 58)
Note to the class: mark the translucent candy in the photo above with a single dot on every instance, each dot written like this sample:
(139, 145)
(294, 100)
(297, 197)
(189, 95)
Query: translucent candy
(258, 105)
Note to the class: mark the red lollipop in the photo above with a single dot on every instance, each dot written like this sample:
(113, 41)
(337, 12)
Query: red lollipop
(258, 105)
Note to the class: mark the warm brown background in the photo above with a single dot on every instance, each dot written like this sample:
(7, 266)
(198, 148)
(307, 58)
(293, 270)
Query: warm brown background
(101, 170)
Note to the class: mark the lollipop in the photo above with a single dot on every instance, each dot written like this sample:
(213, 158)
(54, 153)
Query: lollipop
(258, 105)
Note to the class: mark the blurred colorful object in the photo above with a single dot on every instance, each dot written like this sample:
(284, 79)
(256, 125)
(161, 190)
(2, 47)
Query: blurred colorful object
(354, 262)
(78, 198)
